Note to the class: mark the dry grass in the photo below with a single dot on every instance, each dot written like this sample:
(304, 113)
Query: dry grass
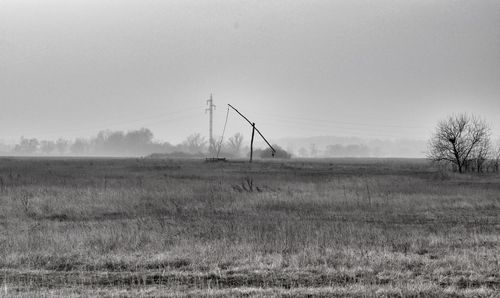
(136, 227)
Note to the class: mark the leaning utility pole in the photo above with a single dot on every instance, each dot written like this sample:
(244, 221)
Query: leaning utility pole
(210, 109)
(254, 129)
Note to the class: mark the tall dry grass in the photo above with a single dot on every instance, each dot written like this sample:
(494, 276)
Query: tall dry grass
(364, 228)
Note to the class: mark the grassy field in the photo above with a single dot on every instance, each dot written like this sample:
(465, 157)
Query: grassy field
(139, 227)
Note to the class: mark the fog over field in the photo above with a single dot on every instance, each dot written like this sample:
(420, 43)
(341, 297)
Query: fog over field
(365, 69)
(249, 148)
(142, 143)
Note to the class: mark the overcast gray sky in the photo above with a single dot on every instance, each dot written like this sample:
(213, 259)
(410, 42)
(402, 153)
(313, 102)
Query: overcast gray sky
(386, 69)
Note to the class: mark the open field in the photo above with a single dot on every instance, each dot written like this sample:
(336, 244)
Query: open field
(139, 227)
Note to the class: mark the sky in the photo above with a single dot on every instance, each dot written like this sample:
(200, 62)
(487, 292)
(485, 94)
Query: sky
(370, 69)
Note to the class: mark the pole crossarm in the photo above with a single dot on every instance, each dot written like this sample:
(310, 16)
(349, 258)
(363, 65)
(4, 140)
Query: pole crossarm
(253, 125)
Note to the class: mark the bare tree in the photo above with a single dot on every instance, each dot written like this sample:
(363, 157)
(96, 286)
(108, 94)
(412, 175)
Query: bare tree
(313, 150)
(214, 146)
(79, 147)
(234, 144)
(47, 147)
(480, 155)
(195, 143)
(496, 157)
(456, 138)
(303, 152)
(62, 146)
(27, 146)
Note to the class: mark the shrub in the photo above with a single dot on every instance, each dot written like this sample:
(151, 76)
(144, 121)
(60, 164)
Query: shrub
(267, 153)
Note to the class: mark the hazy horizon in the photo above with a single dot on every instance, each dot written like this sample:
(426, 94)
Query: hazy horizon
(367, 69)
(142, 142)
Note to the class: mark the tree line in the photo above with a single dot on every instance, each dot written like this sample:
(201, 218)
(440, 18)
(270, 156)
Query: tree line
(139, 142)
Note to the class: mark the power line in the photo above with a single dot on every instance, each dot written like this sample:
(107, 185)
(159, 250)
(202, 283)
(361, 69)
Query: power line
(223, 132)
(101, 127)
(335, 130)
(295, 118)
(337, 127)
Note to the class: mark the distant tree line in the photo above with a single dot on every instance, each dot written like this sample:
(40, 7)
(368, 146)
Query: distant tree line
(139, 142)
(116, 143)
(339, 150)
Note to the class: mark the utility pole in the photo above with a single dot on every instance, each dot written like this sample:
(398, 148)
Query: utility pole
(210, 109)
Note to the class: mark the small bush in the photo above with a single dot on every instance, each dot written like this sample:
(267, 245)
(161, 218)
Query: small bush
(267, 153)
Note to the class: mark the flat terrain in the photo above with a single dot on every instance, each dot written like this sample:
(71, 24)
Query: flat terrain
(344, 227)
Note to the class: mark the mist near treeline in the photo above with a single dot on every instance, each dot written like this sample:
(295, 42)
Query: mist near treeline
(141, 142)
(132, 143)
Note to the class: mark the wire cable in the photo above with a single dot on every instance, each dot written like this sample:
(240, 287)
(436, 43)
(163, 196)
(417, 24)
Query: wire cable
(164, 117)
(223, 132)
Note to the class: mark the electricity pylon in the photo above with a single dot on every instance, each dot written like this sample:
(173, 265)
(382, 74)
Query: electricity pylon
(210, 109)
